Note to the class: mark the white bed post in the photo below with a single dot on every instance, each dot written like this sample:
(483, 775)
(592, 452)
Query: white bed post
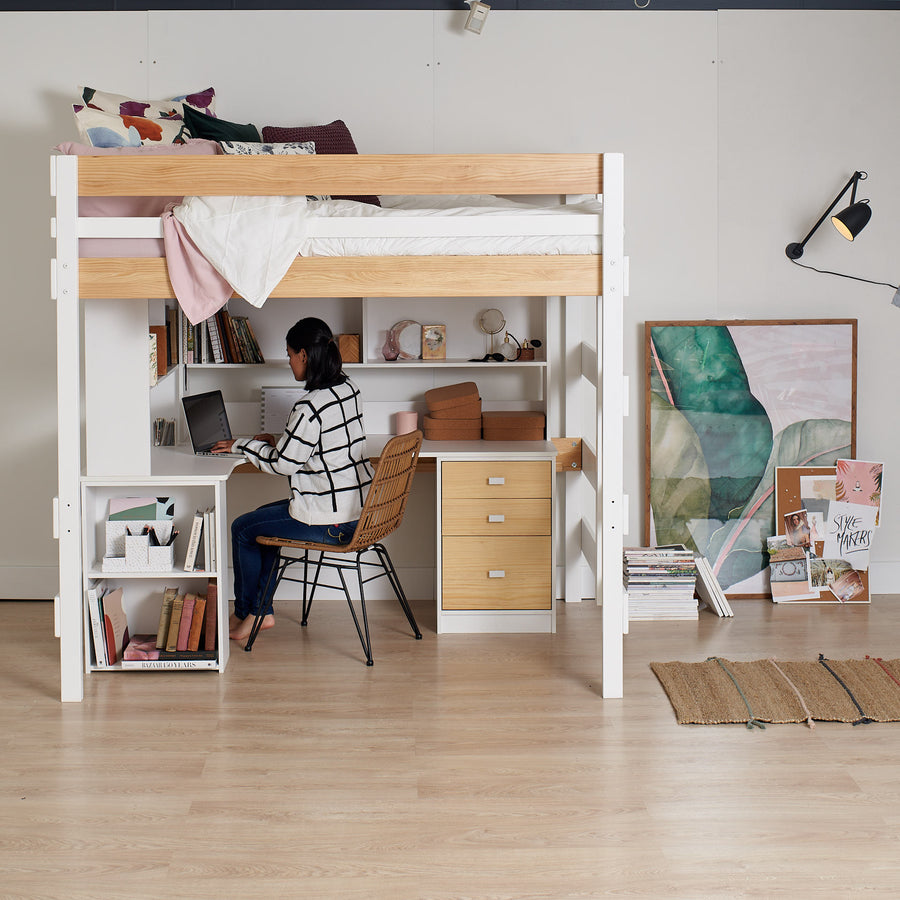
(611, 499)
(67, 527)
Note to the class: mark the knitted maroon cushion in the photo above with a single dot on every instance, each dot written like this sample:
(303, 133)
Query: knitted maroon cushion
(334, 137)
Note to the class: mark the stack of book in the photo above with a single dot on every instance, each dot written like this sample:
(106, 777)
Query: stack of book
(660, 583)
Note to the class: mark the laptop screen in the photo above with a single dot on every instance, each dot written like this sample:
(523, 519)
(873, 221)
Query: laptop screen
(206, 419)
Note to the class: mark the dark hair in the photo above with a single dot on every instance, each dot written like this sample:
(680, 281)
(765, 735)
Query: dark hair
(323, 359)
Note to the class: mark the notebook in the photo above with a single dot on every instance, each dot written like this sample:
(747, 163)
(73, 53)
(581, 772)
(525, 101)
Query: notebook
(207, 422)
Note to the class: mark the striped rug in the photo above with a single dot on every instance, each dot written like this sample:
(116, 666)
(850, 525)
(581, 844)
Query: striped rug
(719, 691)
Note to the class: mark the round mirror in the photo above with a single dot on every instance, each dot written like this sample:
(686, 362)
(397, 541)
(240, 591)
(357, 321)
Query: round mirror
(492, 322)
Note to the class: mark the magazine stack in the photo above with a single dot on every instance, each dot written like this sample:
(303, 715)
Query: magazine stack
(660, 583)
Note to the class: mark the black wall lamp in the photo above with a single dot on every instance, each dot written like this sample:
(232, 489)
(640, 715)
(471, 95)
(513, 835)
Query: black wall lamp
(849, 222)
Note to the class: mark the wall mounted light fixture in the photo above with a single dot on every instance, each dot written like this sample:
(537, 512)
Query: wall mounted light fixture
(849, 222)
(478, 12)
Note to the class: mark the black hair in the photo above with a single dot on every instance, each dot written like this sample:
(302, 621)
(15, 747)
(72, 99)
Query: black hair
(323, 359)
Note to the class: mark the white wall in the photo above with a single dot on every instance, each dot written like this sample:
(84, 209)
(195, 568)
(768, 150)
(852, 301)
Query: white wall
(737, 129)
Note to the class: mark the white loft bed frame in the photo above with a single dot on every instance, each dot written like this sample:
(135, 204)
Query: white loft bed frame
(601, 527)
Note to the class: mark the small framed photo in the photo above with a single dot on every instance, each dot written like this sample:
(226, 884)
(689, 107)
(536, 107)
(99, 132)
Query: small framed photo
(434, 342)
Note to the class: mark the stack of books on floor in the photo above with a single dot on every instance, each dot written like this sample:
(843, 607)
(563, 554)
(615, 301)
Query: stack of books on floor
(660, 583)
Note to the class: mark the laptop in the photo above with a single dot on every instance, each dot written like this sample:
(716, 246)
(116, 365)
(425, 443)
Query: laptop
(207, 422)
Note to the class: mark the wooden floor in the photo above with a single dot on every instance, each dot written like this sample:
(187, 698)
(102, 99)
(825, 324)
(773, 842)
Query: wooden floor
(459, 766)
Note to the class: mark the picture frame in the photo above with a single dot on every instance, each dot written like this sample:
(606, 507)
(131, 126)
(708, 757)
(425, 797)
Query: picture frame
(725, 403)
(434, 342)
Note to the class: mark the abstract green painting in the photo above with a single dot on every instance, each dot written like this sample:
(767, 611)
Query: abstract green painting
(727, 402)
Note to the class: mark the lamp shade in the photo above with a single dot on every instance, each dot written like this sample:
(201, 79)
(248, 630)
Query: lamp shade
(851, 221)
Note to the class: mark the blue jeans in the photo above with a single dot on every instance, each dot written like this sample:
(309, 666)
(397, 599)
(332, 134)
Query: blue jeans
(253, 562)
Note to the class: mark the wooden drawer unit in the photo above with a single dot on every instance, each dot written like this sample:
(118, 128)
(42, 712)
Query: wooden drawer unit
(496, 535)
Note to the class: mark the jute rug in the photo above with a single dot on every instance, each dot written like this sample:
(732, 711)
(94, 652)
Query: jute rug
(719, 691)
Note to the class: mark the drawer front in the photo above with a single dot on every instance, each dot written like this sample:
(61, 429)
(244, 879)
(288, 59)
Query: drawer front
(496, 573)
(498, 516)
(500, 478)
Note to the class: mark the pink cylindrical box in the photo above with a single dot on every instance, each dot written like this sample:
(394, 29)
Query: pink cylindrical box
(405, 422)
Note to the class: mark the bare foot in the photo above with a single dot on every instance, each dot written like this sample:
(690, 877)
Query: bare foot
(242, 630)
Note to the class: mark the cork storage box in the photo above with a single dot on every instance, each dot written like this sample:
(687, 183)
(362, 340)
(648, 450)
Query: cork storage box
(513, 425)
(452, 397)
(452, 429)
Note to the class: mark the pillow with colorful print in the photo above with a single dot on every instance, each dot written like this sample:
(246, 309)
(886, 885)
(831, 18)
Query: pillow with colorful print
(114, 120)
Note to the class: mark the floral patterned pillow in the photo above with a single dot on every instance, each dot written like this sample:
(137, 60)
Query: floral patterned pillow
(114, 120)
(252, 148)
(286, 148)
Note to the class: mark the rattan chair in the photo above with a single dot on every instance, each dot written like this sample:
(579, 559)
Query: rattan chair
(381, 514)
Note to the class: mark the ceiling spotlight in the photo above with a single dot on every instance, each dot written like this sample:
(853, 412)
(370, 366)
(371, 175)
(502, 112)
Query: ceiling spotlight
(478, 12)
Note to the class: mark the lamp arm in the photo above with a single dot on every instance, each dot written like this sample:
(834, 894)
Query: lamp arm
(795, 251)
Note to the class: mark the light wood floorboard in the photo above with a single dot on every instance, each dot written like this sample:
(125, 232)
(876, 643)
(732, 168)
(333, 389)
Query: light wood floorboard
(459, 766)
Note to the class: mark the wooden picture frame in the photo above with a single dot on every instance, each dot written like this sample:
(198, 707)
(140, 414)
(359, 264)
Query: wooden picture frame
(727, 402)
(434, 342)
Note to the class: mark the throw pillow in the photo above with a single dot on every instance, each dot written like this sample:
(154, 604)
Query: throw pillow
(334, 137)
(204, 126)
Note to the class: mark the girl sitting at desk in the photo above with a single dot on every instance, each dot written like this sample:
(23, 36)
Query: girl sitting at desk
(323, 453)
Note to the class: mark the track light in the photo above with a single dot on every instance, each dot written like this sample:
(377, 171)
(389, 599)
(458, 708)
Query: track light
(477, 16)
(849, 222)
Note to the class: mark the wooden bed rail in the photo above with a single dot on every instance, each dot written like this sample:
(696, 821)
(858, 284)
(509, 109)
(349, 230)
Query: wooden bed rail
(523, 173)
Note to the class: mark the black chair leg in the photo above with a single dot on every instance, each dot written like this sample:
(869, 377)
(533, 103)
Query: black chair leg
(308, 599)
(261, 600)
(362, 631)
(391, 573)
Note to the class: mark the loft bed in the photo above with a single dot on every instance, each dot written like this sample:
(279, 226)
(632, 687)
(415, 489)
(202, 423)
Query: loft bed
(570, 276)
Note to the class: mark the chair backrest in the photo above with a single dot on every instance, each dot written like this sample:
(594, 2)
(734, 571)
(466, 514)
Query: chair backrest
(389, 491)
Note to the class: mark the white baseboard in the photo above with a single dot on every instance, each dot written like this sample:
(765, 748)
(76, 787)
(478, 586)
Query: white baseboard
(42, 582)
(29, 582)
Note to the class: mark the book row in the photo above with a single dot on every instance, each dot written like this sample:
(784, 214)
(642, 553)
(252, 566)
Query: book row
(185, 637)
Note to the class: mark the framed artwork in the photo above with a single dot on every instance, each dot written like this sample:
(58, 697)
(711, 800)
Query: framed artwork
(726, 403)
(434, 342)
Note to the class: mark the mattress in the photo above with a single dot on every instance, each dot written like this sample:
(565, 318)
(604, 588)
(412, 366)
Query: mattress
(497, 215)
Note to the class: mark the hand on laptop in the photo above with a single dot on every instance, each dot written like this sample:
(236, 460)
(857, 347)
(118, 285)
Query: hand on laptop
(265, 436)
(221, 447)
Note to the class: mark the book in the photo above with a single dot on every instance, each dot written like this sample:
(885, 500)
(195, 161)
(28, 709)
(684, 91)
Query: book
(184, 624)
(162, 350)
(141, 646)
(215, 341)
(165, 616)
(174, 623)
(115, 625)
(211, 615)
(709, 590)
(190, 559)
(95, 614)
(187, 661)
(207, 539)
(197, 620)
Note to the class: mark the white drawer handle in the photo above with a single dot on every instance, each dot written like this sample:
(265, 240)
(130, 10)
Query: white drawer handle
(496, 573)
(498, 518)
(497, 480)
